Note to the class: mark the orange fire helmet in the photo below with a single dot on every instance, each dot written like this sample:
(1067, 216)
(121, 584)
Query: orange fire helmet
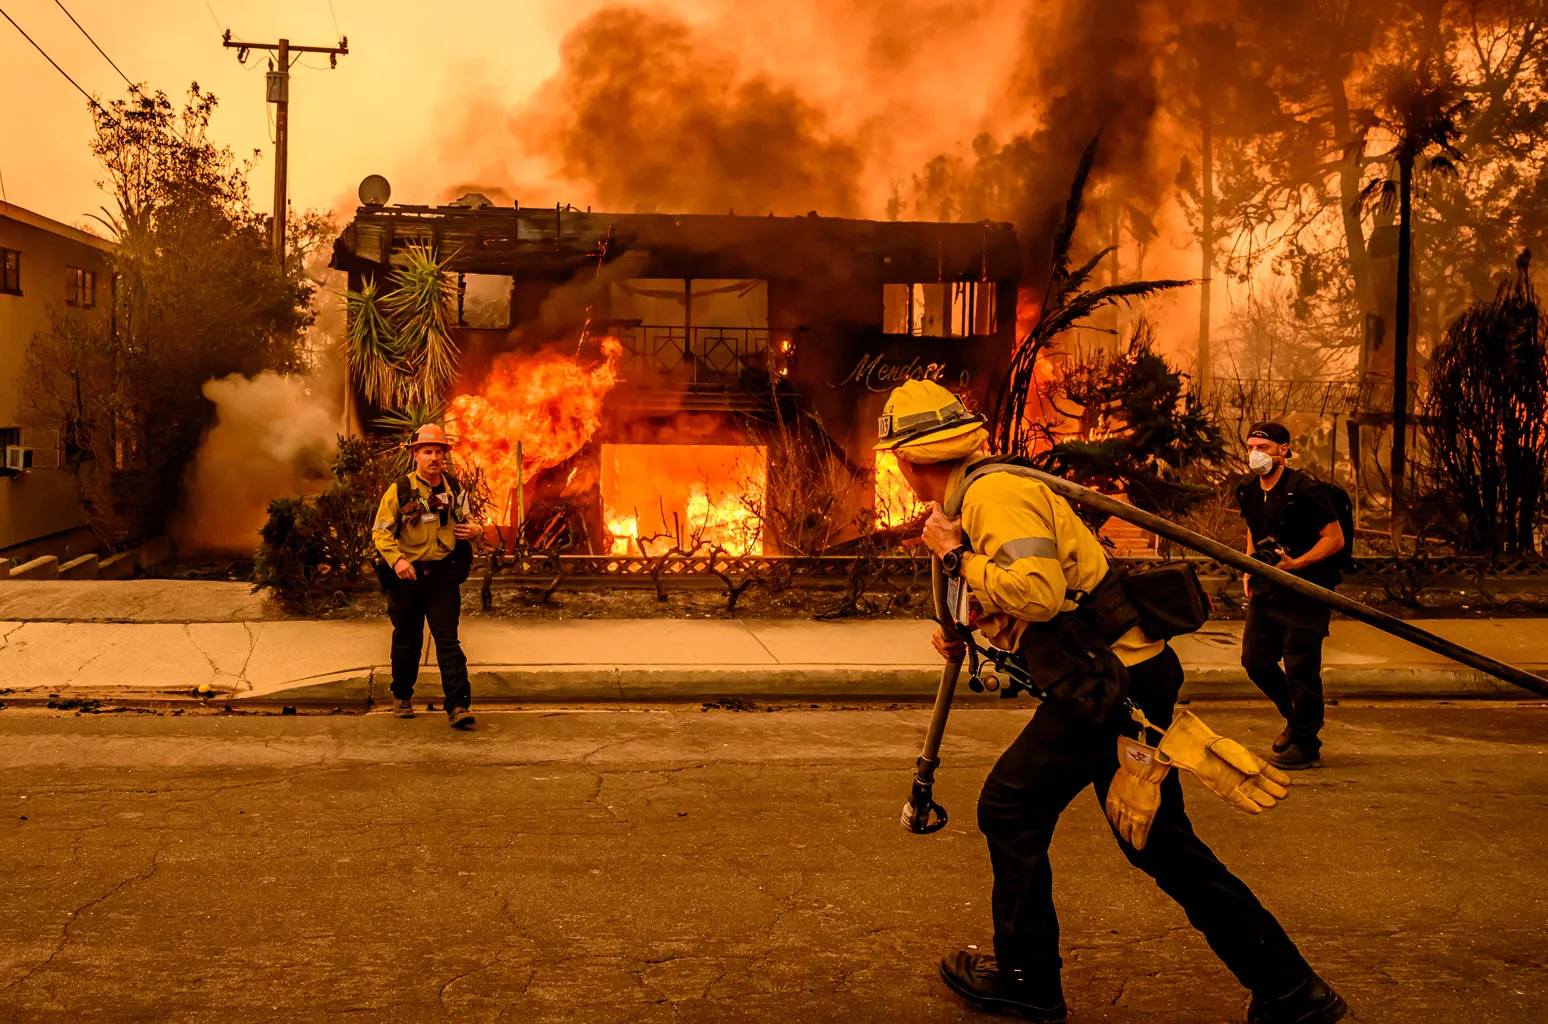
(430, 433)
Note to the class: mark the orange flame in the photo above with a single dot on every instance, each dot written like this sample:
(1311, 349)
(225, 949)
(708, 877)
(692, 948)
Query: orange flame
(715, 491)
(551, 404)
(895, 500)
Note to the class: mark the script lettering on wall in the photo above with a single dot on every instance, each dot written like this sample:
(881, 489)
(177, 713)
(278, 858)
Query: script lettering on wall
(876, 373)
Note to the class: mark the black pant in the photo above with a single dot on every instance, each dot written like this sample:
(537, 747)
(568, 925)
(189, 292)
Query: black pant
(433, 595)
(1290, 627)
(1056, 756)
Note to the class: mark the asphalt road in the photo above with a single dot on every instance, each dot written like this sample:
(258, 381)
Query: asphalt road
(694, 866)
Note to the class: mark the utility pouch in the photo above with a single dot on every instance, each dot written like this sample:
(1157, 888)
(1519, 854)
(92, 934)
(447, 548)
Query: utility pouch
(1107, 609)
(1072, 666)
(1169, 599)
(460, 562)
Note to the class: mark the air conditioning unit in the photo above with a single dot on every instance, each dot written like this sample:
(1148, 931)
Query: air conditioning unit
(17, 458)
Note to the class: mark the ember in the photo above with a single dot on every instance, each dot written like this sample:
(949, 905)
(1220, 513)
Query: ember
(551, 404)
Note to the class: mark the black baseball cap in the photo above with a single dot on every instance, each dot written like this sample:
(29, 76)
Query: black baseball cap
(1270, 431)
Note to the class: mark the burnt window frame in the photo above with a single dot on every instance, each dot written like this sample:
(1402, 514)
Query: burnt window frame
(10, 271)
(80, 287)
(969, 305)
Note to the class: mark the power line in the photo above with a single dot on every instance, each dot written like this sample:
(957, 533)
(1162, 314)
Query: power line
(93, 42)
(89, 97)
(335, 16)
(216, 20)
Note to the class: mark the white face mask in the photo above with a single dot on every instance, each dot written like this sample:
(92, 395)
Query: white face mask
(1261, 463)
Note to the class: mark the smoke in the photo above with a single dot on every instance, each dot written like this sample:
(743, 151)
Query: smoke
(655, 116)
(273, 437)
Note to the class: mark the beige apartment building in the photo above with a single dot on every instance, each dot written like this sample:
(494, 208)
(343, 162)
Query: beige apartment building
(44, 266)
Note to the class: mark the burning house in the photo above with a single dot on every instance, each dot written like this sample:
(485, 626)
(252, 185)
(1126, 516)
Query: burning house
(634, 382)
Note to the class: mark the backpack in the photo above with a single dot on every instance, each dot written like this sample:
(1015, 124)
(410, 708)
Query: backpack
(1343, 507)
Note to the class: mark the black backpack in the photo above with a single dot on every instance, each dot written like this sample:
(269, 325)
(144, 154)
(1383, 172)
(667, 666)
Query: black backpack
(1343, 507)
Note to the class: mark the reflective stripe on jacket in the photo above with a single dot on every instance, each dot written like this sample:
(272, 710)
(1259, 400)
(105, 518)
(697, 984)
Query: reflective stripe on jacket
(1032, 557)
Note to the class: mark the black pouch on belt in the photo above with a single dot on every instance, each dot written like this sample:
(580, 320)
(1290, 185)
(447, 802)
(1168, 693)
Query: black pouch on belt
(1073, 667)
(1169, 598)
(1070, 657)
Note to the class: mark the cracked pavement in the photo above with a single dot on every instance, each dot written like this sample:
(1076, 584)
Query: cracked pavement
(679, 865)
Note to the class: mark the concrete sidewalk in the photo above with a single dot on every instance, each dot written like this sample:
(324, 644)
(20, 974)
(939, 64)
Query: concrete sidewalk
(656, 659)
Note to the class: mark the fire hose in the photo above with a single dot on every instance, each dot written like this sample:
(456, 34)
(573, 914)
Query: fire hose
(923, 815)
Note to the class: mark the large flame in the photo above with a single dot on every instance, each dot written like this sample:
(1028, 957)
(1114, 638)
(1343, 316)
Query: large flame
(895, 500)
(551, 404)
(695, 497)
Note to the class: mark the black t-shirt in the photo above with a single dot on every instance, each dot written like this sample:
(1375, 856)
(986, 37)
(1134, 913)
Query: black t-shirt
(1295, 520)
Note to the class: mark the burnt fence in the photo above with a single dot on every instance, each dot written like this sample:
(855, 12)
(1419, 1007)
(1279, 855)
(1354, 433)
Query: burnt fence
(552, 572)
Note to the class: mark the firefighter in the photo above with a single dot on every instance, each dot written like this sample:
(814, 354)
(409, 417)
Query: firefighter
(424, 537)
(1025, 557)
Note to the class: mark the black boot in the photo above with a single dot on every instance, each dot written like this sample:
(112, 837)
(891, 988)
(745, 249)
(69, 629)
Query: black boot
(1282, 741)
(1296, 757)
(1313, 1002)
(979, 980)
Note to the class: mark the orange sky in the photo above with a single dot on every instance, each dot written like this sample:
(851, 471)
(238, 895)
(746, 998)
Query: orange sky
(373, 114)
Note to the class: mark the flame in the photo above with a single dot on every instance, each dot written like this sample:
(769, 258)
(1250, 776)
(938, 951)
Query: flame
(895, 500)
(551, 404)
(716, 492)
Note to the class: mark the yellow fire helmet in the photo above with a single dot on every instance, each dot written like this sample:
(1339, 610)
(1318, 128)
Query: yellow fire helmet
(921, 413)
(430, 433)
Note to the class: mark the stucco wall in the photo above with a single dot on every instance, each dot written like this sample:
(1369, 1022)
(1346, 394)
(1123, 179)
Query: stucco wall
(42, 502)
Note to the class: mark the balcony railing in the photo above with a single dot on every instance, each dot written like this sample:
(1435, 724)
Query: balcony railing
(701, 355)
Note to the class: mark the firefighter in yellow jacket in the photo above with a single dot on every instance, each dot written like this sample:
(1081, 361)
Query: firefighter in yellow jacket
(1027, 558)
(424, 538)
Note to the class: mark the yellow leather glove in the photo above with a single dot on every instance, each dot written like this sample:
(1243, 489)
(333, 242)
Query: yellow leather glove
(1227, 769)
(1135, 793)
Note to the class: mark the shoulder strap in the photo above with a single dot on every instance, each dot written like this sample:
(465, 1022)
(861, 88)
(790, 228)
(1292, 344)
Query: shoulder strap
(405, 489)
(996, 464)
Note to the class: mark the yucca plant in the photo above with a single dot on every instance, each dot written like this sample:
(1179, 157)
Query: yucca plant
(372, 346)
(422, 293)
(400, 348)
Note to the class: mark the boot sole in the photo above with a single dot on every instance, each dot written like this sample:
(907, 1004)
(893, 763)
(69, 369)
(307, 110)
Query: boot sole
(1296, 766)
(1004, 1007)
(464, 723)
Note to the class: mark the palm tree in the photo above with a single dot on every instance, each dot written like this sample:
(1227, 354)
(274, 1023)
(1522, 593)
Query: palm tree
(1066, 304)
(1422, 110)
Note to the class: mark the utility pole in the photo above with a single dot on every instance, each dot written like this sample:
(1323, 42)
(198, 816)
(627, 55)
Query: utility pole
(279, 94)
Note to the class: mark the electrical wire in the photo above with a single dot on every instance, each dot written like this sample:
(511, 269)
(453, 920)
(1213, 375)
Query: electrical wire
(89, 97)
(218, 26)
(93, 42)
(335, 16)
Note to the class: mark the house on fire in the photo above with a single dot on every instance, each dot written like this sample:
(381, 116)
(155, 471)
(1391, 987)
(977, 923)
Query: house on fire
(730, 327)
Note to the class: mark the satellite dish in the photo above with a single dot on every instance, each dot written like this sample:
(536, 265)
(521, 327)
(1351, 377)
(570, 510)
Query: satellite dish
(375, 191)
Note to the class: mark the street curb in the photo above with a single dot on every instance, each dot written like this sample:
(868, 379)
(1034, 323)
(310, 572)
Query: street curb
(689, 683)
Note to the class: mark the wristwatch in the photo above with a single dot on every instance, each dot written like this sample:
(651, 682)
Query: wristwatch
(951, 561)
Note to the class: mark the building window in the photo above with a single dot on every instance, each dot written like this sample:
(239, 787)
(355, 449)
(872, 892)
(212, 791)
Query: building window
(80, 287)
(10, 271)
(947, 309)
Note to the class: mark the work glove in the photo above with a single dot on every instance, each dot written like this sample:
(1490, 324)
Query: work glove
(1135, 793)
(1227, 769)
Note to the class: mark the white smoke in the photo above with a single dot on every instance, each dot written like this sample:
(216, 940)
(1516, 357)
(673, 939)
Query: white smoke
(273, 437)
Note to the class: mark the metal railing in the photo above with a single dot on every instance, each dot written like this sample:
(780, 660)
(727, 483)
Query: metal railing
(702, 355)
(542, 570)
